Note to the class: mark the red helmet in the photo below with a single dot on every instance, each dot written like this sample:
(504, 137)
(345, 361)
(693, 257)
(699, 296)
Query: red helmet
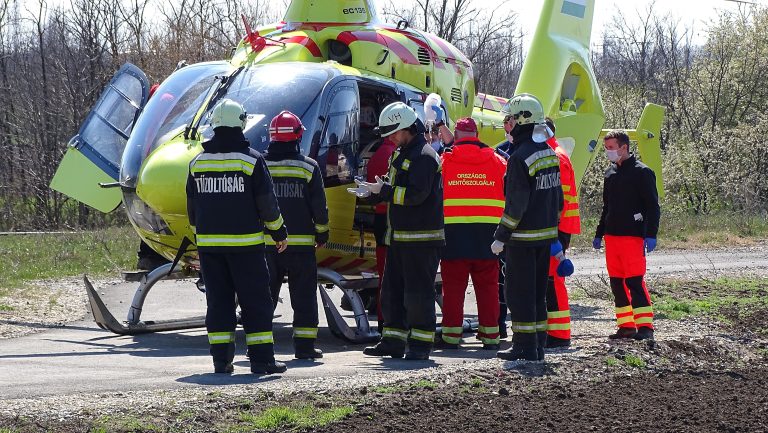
(286, 126)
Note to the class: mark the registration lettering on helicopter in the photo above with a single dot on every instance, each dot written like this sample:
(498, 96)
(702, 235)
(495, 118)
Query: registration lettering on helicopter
(348, 11)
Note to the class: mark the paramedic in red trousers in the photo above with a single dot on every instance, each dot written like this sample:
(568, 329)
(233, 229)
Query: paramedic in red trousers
(231, 203)
(528, 227)
(558, 310)
(473, 197)
(415, 236)
(629, 223)
(378, 165)
(299, 188)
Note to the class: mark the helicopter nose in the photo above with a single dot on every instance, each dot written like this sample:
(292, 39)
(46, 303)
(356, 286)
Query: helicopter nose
(163, 177)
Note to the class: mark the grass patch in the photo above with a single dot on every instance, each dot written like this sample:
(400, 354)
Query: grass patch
(287, 417)
(4, 307)
(679, 299)
(424, 384)
(386, 389)
(42, 256)
(611, 361)
(634, 361)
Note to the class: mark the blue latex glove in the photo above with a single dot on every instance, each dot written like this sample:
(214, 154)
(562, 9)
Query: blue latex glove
(650, 244)
(555, 249)
(438, 114)
(565, 268)
(597, 243)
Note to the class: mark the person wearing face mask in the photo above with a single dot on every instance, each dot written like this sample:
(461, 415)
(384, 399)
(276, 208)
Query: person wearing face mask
(629, 223)
(528, 226)
(415, 236)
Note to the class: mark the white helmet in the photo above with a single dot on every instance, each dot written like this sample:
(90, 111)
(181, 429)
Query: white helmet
(228, 113)
(525, 108)
(394, 117)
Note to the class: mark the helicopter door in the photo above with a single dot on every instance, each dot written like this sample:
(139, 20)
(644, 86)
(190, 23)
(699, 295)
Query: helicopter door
(340, 139)
(94, 154)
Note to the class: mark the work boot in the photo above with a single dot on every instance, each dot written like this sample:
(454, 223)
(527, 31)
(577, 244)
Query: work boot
(384, 348)
(268, 367)
(443, 345)
(644, 333)
(305, 349)
(623, 333)
(223, 367)
(491, 346)
(555, 342)
(516, 352)
(418, 352)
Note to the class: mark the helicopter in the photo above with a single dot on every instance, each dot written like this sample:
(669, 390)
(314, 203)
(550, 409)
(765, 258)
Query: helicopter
(336, 66)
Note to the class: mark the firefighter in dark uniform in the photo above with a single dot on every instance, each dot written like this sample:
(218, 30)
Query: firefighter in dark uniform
(629, 222)
(415, 236)
(528, 227)
(231, 203)
(299, 189)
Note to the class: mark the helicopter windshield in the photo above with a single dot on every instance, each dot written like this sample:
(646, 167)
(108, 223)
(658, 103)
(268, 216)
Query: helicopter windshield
(266, 90)
(171, 108)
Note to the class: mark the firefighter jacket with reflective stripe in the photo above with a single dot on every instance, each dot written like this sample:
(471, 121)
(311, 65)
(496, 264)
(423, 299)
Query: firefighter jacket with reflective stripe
(414, 196)
(630, 201)
(299, 189)
(570, 220)
(230, 199)
(473, 198)
(534, 196)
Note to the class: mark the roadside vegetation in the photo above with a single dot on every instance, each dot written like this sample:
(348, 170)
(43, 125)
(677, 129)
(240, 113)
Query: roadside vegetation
(31, 257)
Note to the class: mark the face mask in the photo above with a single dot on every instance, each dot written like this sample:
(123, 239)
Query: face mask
(612, 155)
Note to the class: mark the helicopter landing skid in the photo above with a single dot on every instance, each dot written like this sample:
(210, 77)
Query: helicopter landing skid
(134, 325)
(336, 323)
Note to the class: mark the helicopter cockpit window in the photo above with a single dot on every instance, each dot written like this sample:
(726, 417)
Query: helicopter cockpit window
(168, 111)
(266, 90)
(338, 150)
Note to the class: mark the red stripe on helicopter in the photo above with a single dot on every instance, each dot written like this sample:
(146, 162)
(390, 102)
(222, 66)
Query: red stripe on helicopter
(328, 262)
(397, 48)
(307, 42)
(420, 42)
(351, 265)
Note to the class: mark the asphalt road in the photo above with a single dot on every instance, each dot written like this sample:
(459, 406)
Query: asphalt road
(81, 358)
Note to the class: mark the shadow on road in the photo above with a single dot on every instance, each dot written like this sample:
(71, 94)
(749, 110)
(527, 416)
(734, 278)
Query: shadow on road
(240, 378)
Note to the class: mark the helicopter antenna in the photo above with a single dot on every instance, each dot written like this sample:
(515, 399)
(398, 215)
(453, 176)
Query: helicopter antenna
(482, 106)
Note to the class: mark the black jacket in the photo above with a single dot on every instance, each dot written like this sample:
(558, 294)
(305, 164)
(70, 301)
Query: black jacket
(630, 201)
(299, 188)
(415, 196)
(534, 196)
(230, 196)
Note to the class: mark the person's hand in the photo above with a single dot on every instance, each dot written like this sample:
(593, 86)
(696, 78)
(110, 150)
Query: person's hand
(650, 244)
(361, 191)
(439, 118)
(497, 247)
(375, 187)
(565, 268)
(281, 245)
(597, 243)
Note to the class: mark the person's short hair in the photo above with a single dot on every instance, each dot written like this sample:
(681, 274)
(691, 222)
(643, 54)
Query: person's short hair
(619, 135)
(550, 123)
